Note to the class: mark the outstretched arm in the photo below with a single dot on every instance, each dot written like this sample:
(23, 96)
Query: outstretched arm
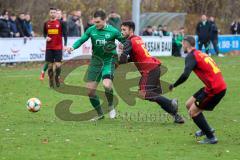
(83, 39)
(190, 64)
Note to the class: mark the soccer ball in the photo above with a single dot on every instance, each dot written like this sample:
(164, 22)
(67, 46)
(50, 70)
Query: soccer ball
(34, 104)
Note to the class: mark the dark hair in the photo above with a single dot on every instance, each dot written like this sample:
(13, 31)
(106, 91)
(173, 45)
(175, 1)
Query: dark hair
(190, 40)
(4, 12)
(13, 14)
(100, 13)
(149, 26)
(129, 24)
(21, 13)
(52, 8)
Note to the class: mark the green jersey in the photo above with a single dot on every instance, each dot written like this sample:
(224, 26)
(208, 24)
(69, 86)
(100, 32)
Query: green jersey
(99, 38)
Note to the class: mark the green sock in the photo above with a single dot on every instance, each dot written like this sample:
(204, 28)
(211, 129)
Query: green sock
(96, 104)
(109, 95)
(45, 67)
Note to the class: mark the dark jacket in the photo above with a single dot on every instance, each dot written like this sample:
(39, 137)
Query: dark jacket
(115, 22)
(203, 31)
(213, 31)
(28, 25)
(146, 33)
(87, 26)
(13, 27)
(21, 26)
(235, 28)
(4, 28)
(73, 28)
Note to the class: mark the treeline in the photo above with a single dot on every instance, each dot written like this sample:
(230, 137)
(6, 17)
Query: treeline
(225, 11)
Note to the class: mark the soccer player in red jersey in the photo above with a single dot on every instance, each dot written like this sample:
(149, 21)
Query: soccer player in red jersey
(207, 97)
(54, 30)
(149, 67)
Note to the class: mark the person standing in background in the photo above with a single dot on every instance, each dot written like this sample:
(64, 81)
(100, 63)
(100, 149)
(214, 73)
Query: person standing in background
(203, 33)
(90, 23)
(114, 19)
(29, 25)
(177, 42)
(75, 25)
(165, 31)
(13, 26)
(214, 35)
(235, 27)
(5, 25)
(21, 25)
(53, 31)
(148, 31)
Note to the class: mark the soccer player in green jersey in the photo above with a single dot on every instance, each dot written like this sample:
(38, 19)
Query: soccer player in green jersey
(103, 60)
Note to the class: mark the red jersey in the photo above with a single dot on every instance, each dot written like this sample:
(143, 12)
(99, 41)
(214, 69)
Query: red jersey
(54, 30)
(209, 73)
(140, 55)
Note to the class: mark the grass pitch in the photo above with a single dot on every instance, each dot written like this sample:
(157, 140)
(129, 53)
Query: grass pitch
(134, 135)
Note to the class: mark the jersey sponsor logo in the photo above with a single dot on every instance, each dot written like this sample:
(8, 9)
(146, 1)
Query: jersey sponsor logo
(53, 31)
(100, 42)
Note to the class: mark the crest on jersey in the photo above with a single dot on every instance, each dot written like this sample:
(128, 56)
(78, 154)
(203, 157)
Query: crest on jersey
(107, 35)
(57, 25)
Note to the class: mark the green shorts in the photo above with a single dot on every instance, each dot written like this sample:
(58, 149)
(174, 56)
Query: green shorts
(101, 69)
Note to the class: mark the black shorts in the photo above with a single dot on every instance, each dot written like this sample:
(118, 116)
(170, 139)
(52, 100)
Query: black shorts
(206, 101)
(151, 82)
(53, 56)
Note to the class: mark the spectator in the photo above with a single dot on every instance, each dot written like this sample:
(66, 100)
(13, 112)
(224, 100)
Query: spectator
(165, 31)
(214, 35)
(13, 26)
(178, 36)
(235, 27)
(28, 24)
(148, 31)
(203, 33)
(160, 30)
(89, 23)
(61, 17)
(64, 16)
(114, 19)
(155, 31)
(21, 25)
(75, 25)
(5, 25)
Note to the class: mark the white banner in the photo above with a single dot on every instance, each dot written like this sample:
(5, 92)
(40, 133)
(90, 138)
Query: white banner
(20, 50)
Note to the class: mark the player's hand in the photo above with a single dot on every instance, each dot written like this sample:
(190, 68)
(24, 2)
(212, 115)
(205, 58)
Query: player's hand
(64, 48)
(48, 39)
(69, 49)
(171, 87)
